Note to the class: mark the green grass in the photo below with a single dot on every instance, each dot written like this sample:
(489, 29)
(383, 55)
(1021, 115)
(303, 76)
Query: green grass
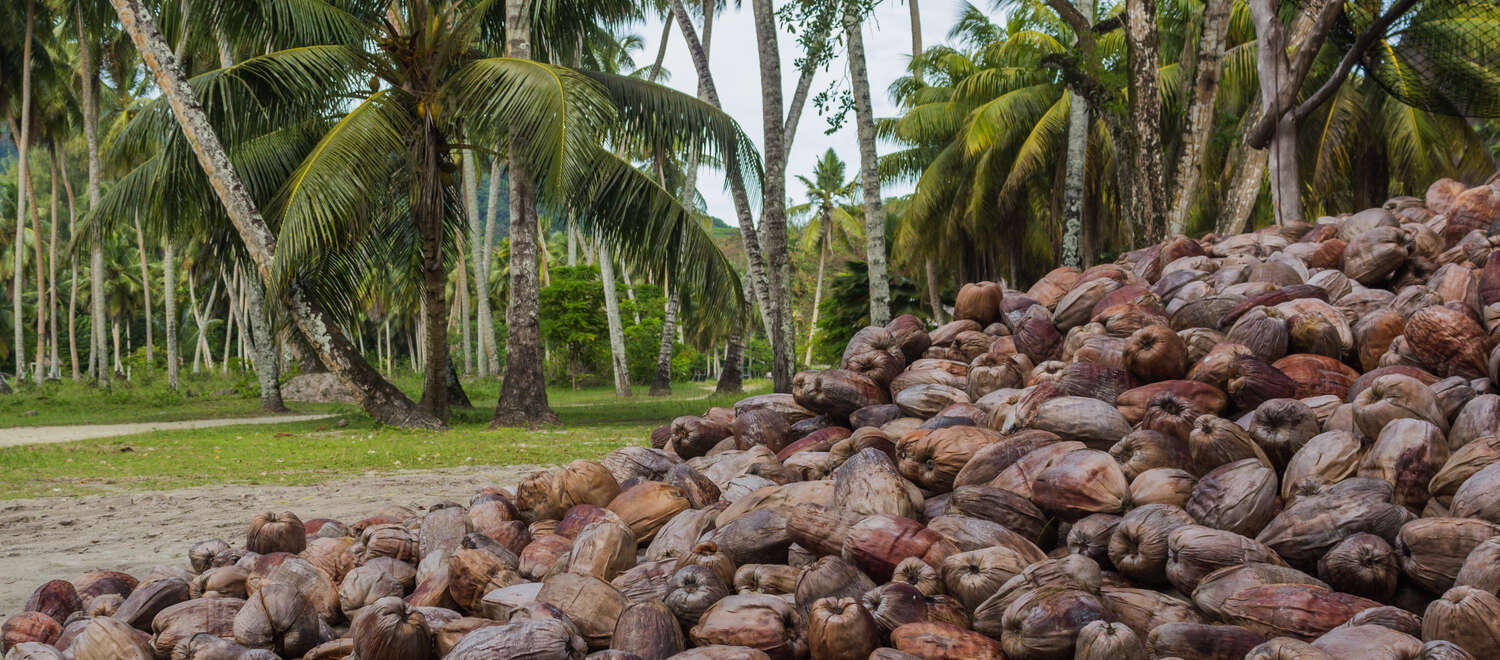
(594, 423)
(203, 396)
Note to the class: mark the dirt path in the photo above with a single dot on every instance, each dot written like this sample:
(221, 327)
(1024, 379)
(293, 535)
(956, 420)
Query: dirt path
(61, 537)
(35, 435)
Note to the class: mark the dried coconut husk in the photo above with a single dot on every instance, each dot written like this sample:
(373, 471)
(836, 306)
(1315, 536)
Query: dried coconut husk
(1155, 353)
(1448, 342)
(282, 619)
(1281, 427)
(1326, 458)
(1465, 616)
(1312, 524)
(1462, 464)
(990, 460)
(55, 598)
(1202, 641)
(1142, 610)
(1103, 640)
(766, 579)
(276, 532)
(1481, 568)
(1364, 565)
(648, 506)
(1217, 441)
(1138, 545)
(1239, 497)
(1070, 572)
(1408, 453)
(870, 483)
(1146, 449)
(944, 640)
(766, 623)
(972, 533)
(933, 458)
(1433, 549)
(1082, 419)
(1216, 587)
(877, 543)
(1001, 506)
(972, 576)
(1090, 536)
(107, 638)
(1369, 641)
(1395, 396)
(593, 605)
(1194, 551)
(1080, 483)
(919, 574)
(147, 600)
(1299, 611)
(1478, 496)
(1162, 486)
(1253, 381)
(1045, 623)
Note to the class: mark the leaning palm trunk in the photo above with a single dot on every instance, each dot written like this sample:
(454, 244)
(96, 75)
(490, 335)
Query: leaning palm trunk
(661, 382)
(812, 326)
(263, 340)
(378, 397)
(880, 283)
(929, 267)
(616, 329)
(1200, 113)
(1077, 167)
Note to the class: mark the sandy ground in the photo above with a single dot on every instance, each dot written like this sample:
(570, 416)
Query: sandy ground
(32, 435)
(62, 537)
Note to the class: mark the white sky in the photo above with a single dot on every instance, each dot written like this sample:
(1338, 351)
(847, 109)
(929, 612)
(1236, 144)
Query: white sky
(736, 68)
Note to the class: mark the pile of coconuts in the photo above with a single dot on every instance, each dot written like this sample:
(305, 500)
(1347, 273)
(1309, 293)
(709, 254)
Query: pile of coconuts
(1280, 444)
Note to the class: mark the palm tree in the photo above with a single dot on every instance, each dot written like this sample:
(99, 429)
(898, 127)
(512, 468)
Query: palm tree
(828, 220)
(435, 94)
(864, 119)
(22, 136)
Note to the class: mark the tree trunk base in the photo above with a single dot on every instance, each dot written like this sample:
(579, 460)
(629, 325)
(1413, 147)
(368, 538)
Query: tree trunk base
(531, 419)
(661, 391)
(274, 406)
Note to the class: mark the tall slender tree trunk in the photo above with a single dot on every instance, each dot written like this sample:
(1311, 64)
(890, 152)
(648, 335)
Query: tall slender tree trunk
(523, 394)
(482, 277)
(267, 367)
(475, 237)
(1210, 54)
(880, 283)
(773, 204)
(18, 347)
(41, 284)
(1149, 204)
(661, 381)
(54, 363)
(616, 330)
(929, 267)
(379, 398)
(62, 158)
(572, 241)
(461, 296)
(140, 243)
(1076, 171)
(1275, 71)
(812, 326)
(98, 349)
(169, 305)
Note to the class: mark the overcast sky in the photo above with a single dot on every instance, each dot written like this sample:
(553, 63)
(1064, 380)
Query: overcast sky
(736, 70)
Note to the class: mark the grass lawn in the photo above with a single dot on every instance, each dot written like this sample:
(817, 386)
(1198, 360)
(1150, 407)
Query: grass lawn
(594, 422)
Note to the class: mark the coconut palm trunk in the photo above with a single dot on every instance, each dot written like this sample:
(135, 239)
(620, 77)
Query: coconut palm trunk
(62, 159)
(616, 331)
(427, 206)
(773, 209)
(381, 399)
(140, 243)
(53, 362)
(23, 143)
(864, 119)
(1148, 204)
(169, 308)
(929, 267)
(482, 276)
(523, 394)
(263, 342)
(1210, 53)
(812, 326)
(98, 349)
(1076, 169)
(476, 262)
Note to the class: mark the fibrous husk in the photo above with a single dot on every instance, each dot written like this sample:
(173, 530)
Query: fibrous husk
(1239, 497)
(1202, 641)
(1312, 524)
(841, 629)
(542, 638)
(1392, 397)
(879, 542)
(647, 506)
(280, 618)
(837, 392)
(1162, 486)
(1369, 641)
(648, 630)
(766, 623)
(1300, 611)
(1194, 551)
(997, 505)
(1326, 458)
(1069, 572)
(972, 576)
(107, 638)
(1217, 441)
(1138, 544)
(1090, 536)
(1144, 450)
(1364, 565)
(972, 533)
(1433, 549)
(1090, 421)
(990, 460)
(1465, 616)
(1142, 610)
(1080, 483)
(1216, 587)
(869, 483)
(933, 458)
(1408, 453)
(1281, 427)
(691, 591)
(766, 579)
(592, 604)
(1448, 342)
(1156, 353)
(147, 600)
(1045, 623)
(1478, 496)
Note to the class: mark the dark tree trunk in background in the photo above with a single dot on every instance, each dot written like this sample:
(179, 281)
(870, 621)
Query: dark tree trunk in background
(427, 209)
(1209, 54)
(263, 342)
(523, 394)
(1148, 203)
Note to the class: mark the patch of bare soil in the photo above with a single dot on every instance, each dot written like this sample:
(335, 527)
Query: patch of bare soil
(62, 537)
